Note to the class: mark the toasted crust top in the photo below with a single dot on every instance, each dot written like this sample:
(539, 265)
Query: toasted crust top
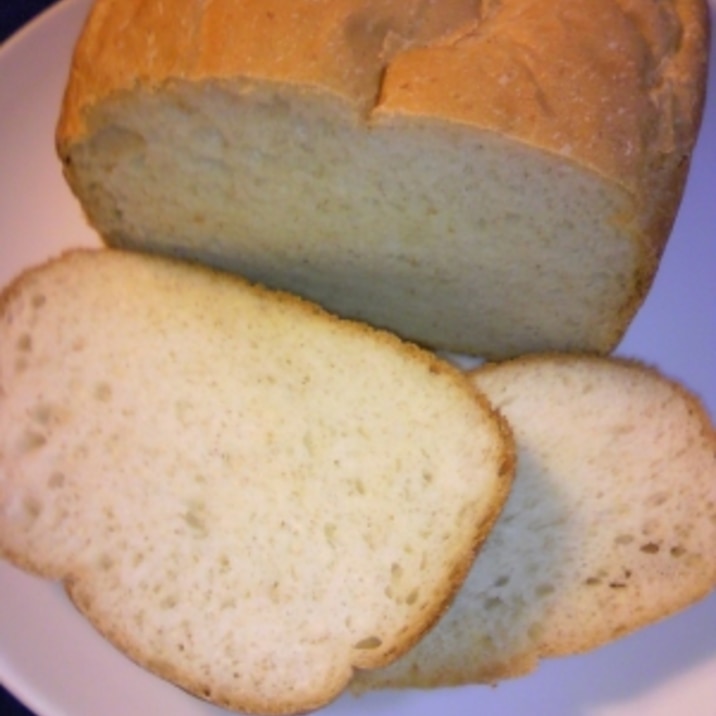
(614, 85)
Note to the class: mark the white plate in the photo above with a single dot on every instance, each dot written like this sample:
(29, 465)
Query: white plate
(58, 666)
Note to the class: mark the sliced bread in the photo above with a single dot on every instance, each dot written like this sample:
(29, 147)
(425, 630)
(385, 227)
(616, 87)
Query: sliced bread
(610, 526)
(249, 497)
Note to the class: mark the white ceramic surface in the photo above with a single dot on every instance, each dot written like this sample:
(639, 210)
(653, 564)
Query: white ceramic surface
(53, 661)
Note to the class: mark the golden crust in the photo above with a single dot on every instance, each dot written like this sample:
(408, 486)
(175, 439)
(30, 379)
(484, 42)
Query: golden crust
(338, 47)
(540, 75)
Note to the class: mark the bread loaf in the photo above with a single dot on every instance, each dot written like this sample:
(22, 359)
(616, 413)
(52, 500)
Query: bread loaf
(249, 497)
(491, 177)
(610, 526)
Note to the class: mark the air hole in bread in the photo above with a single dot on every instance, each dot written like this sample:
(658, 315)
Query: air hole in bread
(195, 518)
(370, 642)
(103, 392)
(24, 343)
(412, 597)
(544, 590)
(56, 480)
(30, 441)
(32, 506)
(169, 602)
(43, 413)
(535, 631)
(658, 498)
(275, 593)
(105, 562)
(370, 539)
(329, 531)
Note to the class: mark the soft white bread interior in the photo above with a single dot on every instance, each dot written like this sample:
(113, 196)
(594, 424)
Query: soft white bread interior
(489, 177)
(610, 526)
(248, 496)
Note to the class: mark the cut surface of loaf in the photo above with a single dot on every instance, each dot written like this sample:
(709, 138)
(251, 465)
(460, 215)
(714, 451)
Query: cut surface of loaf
(248, 496)
(491, 178)
(610, 525)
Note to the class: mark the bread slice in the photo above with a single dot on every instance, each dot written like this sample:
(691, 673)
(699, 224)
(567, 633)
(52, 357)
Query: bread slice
(248, 496)
(610, 526)
(492, 178)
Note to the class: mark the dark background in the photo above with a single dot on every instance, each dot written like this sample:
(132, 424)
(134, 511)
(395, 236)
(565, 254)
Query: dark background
(13, 15)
